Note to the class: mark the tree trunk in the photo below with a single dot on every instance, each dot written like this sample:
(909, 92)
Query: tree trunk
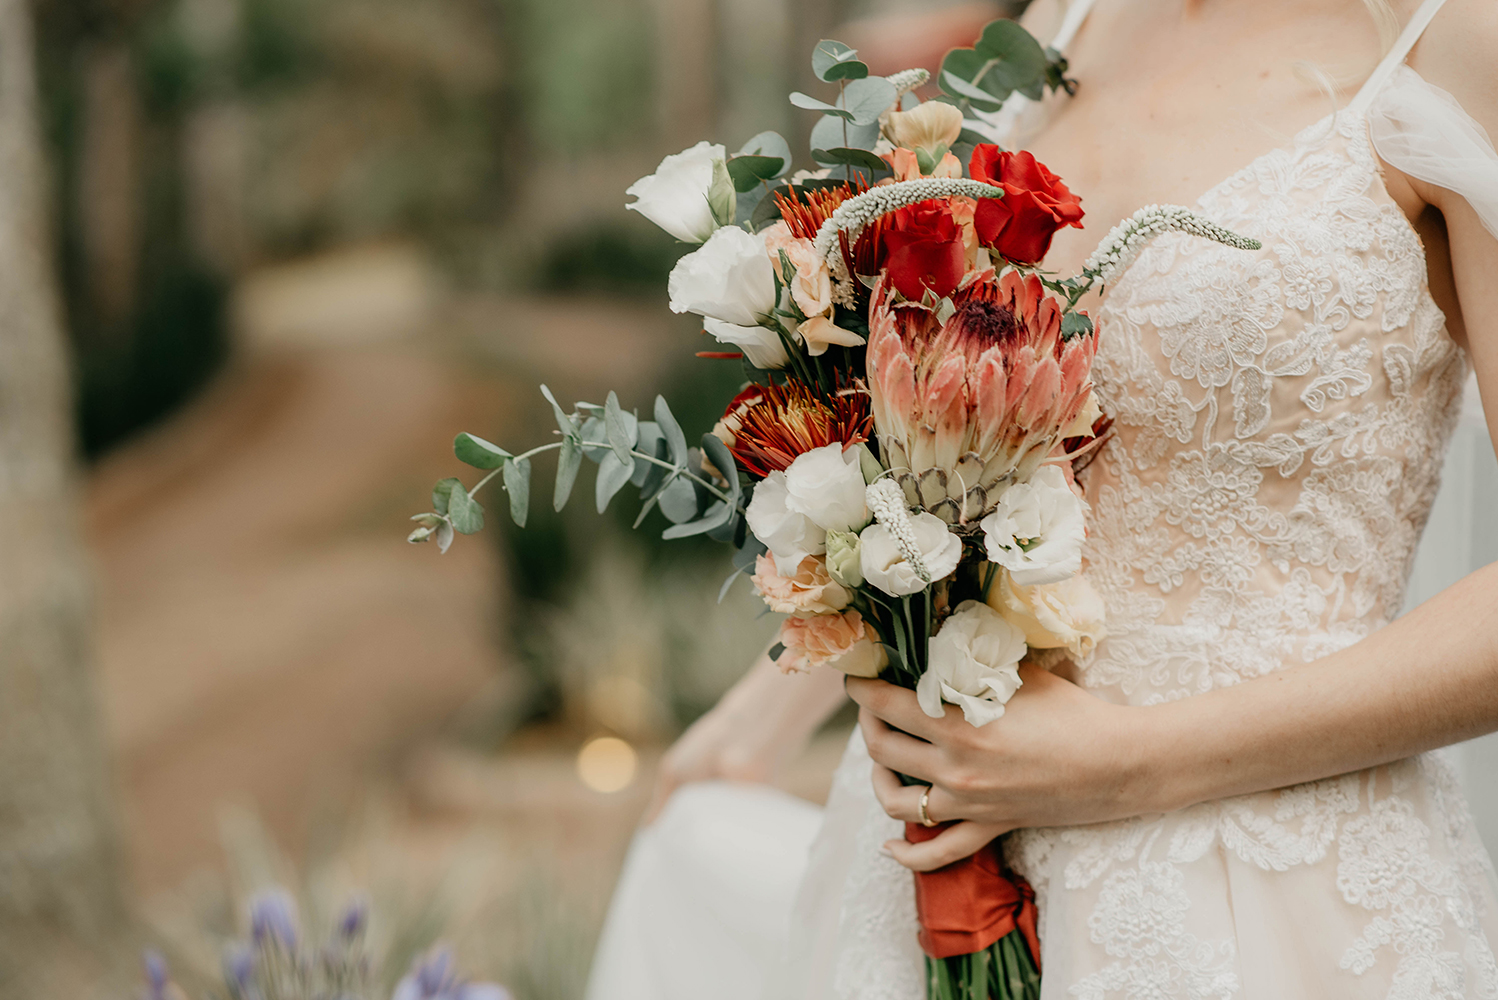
(60, 897)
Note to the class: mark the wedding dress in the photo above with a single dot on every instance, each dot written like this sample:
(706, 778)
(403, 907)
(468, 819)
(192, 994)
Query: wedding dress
(1281, 418)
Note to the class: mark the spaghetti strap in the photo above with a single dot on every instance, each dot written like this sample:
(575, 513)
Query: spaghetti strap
(1076, 13)
(1396, 56)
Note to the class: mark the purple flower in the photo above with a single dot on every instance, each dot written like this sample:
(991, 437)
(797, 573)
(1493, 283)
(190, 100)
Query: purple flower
(157, 977)
(273, 919)
(433, 978)
(355, 918)
(239, 972)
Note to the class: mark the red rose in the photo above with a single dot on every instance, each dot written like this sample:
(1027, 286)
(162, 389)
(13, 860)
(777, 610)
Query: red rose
(1019, 226)
(923, 249)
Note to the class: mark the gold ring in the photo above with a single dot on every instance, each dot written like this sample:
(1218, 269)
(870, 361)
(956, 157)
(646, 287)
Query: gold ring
(926, 819)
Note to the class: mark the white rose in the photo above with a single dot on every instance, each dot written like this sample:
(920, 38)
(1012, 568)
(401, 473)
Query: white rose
(1037, 530)
(675, 197)
(789, 535)
(762, 346)
(883, 562)
(729, 278)
(1069, 614)
(826, 484)
(973, 662)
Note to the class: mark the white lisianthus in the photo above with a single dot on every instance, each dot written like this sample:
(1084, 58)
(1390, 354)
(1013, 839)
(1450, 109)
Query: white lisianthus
(790, 535)
(973, 663)
(826, 484)
(728, 278)
(883, 560)
(1066, 615)
(1036, 531)
(676, 196)
(761, 345)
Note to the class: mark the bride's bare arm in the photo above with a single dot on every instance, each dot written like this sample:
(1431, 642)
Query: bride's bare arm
(1061, 757)
(758, 727)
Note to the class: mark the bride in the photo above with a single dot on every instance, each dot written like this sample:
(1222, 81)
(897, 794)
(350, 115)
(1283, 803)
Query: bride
(1232, 796)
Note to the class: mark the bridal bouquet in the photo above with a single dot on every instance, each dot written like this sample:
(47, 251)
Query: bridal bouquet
(896, 474)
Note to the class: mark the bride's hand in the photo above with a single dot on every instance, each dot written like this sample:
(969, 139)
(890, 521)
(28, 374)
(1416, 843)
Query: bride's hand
(1058, 757)
(753, 731)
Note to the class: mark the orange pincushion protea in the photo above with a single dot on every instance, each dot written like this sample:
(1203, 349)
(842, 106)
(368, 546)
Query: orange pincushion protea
(768, 426)
(964, 407)
(805, 210)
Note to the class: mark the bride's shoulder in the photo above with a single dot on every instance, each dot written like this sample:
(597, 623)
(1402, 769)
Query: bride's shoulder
(1043, 17)
(1459, 53)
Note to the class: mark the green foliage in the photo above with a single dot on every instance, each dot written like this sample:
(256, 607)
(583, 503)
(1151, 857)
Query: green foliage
(477, 452)
(465, 513)
(1074, 324)
(834, 133)
(861, 102)
(517, 476)
(748, 172)
(851, 157)
(832, 61)
(1005, 59)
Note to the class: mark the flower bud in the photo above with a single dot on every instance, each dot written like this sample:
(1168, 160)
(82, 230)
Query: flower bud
(721, 196)
(842, 558)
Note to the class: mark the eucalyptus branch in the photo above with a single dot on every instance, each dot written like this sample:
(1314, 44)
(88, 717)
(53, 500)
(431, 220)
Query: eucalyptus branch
(553, 446)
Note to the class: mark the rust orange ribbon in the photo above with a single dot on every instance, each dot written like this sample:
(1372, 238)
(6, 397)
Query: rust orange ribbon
(969, 904)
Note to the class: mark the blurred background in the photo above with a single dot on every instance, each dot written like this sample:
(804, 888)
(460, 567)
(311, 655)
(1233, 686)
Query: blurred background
(299, 245)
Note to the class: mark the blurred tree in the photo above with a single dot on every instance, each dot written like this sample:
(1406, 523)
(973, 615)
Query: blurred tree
(59, 893)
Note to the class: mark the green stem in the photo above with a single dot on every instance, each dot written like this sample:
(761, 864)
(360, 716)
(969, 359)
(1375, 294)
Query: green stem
(604, 444)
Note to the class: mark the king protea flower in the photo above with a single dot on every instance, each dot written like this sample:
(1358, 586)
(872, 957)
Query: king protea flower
(768, 426)
(964, 407)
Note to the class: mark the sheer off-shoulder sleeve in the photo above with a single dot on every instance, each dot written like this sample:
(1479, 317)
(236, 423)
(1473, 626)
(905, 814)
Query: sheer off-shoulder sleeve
(1420, 129)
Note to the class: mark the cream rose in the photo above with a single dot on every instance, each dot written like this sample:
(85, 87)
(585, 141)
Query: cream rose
(931, 125)
(883, 559)
(789, 535)
(729, 278)
(973, 663)
(1037, 529)
(1068, 614)
(676, 196)
(841, 640)
(826, 484)
(810, 591)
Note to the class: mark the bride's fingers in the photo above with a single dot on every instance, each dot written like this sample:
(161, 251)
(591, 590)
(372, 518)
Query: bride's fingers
(896, 750)
(903, 802)
(895, 705)
(952, 844)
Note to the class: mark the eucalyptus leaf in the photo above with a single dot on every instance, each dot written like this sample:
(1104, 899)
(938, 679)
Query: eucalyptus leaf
(517, 477)
(748, 172)
(710, 520)
(568, 461)
(776, 650)
(725, 530)
(855, 157)
(746, 557)
(810, 103)
(723, 590)
(593, 430)
(622, 429)
(768, 144)
(648, 441)
(835, 133)
(867, 99)
(441, 492)
(832, 60)
(565, 423)
(666, 420)
(612, 475)
(477, 452)
(678, 501)
(465, 513)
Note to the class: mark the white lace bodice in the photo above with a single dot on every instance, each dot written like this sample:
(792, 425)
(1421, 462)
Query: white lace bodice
(1280, 422)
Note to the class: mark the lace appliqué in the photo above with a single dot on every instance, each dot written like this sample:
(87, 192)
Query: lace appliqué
(1281, 418)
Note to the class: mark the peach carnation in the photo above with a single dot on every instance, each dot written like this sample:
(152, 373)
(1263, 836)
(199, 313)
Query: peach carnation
(837, 639)
(811, 591)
